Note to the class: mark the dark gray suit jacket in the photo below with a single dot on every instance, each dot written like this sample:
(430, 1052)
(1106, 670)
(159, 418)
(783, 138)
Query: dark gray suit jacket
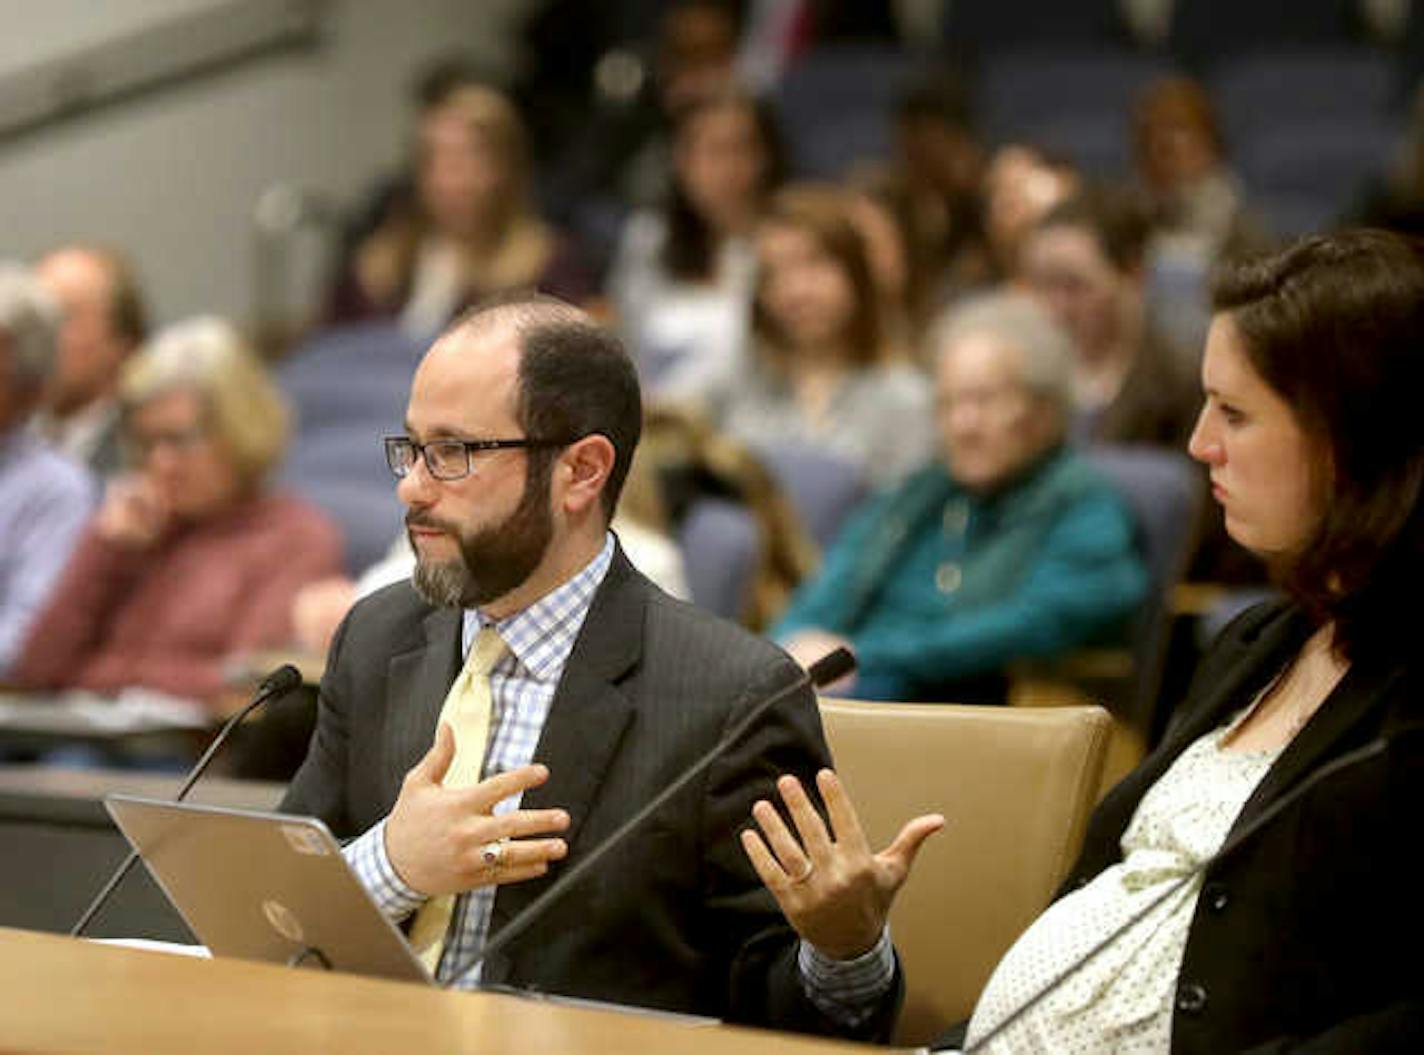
(676, 918)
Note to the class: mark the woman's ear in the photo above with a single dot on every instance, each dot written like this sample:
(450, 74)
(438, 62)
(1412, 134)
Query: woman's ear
(583, 472)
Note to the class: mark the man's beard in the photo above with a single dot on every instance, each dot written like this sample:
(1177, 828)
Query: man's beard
(494, 560)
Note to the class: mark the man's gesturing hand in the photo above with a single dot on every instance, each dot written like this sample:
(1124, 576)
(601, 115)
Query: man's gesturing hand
(434, 835)
(833, 890)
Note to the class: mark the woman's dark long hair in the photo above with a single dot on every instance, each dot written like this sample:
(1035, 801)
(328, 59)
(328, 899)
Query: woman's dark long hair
(823, 211)
(1335, 325)
(690, 251)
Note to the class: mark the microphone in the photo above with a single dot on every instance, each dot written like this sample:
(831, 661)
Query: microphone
(1346, 761)
(280, 682)
(829, 668)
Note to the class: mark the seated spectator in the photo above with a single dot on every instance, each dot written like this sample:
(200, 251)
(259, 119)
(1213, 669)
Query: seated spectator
(937, 182)
(1394, 199)
(614, 150)
(468, 232)
(45, 498)
(683, 278)
(1196, 201)
(875, 211)
(190, 559)
(1021, 184)
(1083, 262)
(1008, 547)
(104, 321)
(822, 372)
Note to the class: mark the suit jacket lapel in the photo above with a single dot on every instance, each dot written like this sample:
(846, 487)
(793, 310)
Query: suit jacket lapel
(416, 684)
(587, 719)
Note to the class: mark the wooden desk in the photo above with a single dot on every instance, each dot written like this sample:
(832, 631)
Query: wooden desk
(64, 995)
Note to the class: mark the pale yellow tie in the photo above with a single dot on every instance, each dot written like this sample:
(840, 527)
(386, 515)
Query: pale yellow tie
(467, 712)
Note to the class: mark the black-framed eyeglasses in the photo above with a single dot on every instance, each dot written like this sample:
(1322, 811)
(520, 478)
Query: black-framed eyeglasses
(451, 459)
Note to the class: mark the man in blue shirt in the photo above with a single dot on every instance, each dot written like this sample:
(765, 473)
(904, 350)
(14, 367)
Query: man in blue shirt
(45, 499)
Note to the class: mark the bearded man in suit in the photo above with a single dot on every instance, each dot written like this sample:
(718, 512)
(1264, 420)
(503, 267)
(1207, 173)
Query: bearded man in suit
(594, 691)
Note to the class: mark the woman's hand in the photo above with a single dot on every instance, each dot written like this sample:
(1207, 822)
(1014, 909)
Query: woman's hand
(134, 512)
(833, 890)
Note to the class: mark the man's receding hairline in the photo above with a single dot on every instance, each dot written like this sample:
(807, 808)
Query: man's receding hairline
(518, 319)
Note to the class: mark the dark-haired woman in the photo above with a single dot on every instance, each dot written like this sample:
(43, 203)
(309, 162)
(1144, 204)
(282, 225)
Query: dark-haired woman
(1306, 935)
(822, 371)
(683, 278)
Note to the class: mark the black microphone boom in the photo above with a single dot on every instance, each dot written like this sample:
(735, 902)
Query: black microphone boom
(829, 668)
(280, 682)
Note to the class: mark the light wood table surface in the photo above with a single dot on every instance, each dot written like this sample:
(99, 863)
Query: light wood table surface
(66, 995)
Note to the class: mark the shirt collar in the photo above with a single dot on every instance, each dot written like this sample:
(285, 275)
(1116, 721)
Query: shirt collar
(541, 636)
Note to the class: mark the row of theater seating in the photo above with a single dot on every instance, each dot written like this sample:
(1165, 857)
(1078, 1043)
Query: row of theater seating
(1305, 128)
(1196, 34)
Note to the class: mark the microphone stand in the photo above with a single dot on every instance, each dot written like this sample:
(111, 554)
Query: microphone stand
(278, 683)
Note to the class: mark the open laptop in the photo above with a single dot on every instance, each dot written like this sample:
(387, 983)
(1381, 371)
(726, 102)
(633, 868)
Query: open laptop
(264, 886)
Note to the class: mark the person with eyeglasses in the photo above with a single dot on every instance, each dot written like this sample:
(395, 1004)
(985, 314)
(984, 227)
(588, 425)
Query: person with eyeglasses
(1006, 547)
(191, 559)
(485, 725)
(641, 524)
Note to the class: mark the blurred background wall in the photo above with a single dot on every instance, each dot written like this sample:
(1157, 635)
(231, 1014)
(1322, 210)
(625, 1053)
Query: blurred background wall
(174, 173)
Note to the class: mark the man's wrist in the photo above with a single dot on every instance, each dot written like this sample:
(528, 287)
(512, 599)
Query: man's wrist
(848, 990)
(367, 857)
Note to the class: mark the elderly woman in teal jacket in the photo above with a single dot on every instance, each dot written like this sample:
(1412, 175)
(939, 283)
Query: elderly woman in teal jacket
(1009, 546)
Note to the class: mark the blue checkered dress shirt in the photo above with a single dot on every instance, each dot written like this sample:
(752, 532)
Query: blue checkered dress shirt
(522, 684)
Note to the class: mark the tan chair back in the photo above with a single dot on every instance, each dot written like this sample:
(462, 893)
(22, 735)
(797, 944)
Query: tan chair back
(1015, 786)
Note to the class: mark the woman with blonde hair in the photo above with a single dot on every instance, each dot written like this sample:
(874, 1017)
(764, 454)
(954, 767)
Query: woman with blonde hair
(189, 559)
(469, 230)
(822, 372)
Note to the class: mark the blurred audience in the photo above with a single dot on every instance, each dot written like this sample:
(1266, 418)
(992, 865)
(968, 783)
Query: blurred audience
(938, 180)
(1084, 262)
(683, 277)
(45, 497)
(1008, 547)
(822, 371)
(615, 149)
(1396, 201)
(104, 320)
(190, 559)
(883, 229)
(1021, 184)
(468, 231)
(1197, 202)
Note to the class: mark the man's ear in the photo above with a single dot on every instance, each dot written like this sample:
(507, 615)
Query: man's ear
(583, 471)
